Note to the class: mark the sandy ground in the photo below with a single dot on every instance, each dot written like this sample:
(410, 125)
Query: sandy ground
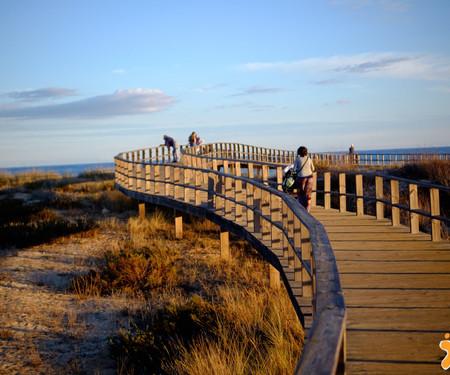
(44, 329)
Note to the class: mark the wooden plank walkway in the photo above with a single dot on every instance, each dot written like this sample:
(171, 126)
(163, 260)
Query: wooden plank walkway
(397, 293)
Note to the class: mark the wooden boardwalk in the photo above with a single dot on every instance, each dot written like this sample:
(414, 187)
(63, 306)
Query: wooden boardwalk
(397, 293)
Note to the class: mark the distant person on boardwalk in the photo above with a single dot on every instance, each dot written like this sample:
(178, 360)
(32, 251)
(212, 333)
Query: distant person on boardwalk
(170, 142)
(192, 139)
(199, 141)
(303, 170)
(351, 153)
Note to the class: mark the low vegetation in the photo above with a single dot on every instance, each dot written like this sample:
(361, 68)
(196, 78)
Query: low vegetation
(189, 311)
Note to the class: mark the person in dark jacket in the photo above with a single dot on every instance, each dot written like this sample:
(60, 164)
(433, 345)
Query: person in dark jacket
(170, 142)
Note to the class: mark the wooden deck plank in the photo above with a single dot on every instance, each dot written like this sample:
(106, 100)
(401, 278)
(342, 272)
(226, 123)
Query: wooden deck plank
(362, 280)
(367, 255)
(383, 345)
(398, 319)
(378, 367)
(398, 298)
(395, 266)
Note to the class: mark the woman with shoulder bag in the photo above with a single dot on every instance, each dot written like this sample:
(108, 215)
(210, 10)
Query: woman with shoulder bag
(304, 168)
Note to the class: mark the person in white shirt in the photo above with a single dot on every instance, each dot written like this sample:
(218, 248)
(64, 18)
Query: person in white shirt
(303, 169)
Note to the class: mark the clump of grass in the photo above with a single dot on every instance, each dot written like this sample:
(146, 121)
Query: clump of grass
(130, 271)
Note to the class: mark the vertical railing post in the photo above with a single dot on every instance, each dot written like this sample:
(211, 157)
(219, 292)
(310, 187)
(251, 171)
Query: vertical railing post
(276, 217)
(359, 195)
(228, 195)
(250, 202)
(265, 215)
(327, 190)
(413, 205)
(307, 281)
(342, 192)
(186, 183)
(238, 196)
(265, 174)
(156, 177)
(379, 195)
(297, 247)
(198, 185)
(395, 200)
(314, 190)
(435, 211)
(279, 178)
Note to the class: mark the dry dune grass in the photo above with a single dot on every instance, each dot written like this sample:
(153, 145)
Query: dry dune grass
(49, 326)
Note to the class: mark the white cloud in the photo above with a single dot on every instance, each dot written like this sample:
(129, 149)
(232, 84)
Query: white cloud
(122, 102)
(377, 65)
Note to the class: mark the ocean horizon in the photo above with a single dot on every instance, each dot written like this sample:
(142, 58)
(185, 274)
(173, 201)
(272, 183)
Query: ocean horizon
(75, 169)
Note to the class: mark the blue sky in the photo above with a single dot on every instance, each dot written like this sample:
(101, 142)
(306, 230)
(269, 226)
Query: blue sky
(81, 81)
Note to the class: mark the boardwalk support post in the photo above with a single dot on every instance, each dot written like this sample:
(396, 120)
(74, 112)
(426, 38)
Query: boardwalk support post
(274, 277)
(178, 224)
(142, 210)
(224, 244)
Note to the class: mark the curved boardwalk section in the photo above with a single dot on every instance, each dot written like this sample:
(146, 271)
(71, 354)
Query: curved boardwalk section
(395, 279)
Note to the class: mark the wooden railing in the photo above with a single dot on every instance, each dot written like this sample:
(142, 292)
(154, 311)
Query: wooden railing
(270, 220)
(378, 194)
(269, 155)
(366, 159)
(387, 193)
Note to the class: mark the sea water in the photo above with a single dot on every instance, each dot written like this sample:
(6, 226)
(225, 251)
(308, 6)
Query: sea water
(75, 169)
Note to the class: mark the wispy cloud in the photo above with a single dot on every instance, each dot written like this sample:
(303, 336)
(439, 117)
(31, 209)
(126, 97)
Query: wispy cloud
(249, 105)
(377, 65)
(120, 103)
(41, 94)
(338, 102)
(331, 81)
(259, 90)
(209, 88)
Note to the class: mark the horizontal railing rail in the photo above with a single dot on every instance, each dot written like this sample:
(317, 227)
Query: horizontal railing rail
(266, 217)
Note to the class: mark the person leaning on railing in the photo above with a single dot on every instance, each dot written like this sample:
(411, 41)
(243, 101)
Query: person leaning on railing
(303, 170)
(170, 142)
